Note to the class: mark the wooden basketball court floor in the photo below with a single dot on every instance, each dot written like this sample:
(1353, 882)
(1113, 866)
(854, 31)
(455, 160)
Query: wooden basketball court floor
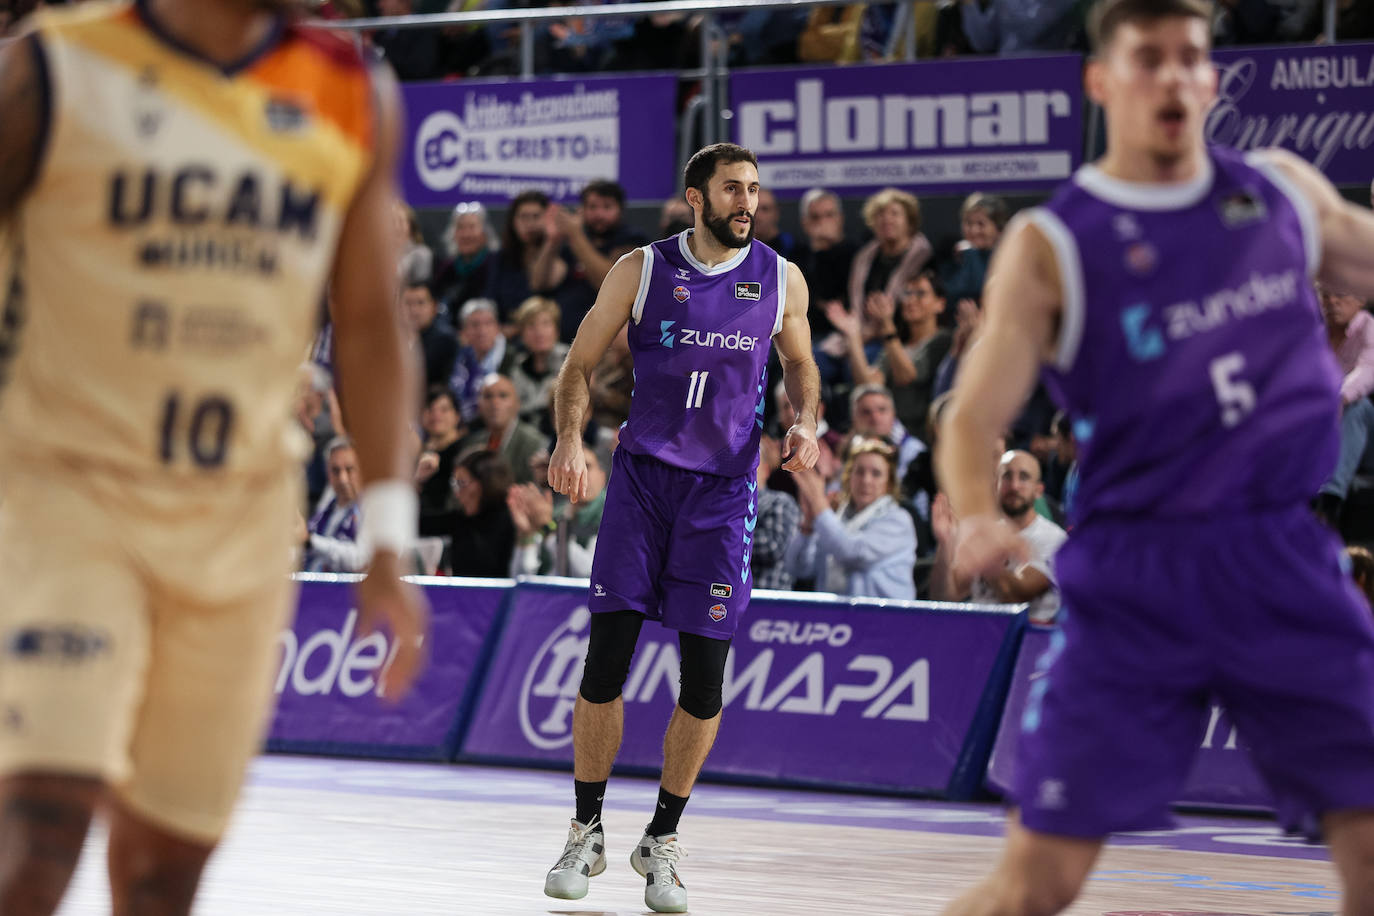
(317, 836)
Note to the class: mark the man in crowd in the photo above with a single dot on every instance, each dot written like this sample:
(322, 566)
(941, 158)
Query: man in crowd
(331, 536)
(1018, 487)
(437, 340)
(589, 242)
(483, 352)
(502, 430)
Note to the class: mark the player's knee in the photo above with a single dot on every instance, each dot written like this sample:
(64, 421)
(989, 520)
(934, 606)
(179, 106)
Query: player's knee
(599, 686)
(701, 701)
(610, 649)
(41, 839)
(701, 691)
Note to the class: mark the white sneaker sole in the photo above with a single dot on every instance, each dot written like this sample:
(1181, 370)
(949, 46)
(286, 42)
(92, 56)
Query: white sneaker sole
(560, 894)
(638, 865)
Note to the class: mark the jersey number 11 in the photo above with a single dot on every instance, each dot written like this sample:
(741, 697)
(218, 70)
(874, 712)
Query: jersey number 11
(696, 389)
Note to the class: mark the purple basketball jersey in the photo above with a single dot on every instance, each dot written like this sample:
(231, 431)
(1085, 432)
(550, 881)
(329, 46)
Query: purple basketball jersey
(700, 337)
(1192, 355)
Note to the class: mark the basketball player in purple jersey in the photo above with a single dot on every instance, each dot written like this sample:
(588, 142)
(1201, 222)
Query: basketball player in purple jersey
(680, 509)
(1166, 295)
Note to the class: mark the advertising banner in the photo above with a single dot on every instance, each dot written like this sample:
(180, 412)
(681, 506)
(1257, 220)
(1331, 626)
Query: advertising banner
(488, 141)
(875, 695)
(328, 687)
(1222, 774)
(940, 126)
(1317, 100)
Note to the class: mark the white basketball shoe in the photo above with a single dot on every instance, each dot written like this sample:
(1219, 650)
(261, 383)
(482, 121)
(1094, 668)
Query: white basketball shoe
(656, 858)
(584, 857)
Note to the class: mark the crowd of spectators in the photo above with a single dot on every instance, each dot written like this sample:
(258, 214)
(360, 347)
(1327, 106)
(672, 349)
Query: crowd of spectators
(842, 33)
(891, 313)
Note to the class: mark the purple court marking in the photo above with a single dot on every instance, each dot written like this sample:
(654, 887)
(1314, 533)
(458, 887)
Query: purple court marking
(1242, 836)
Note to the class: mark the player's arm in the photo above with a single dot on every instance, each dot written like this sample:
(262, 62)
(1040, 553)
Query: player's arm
(24, 102)
(378, 381)
(572, 391)
(378, 375)
(1021, 310)
(1346, 230)
(800, 377)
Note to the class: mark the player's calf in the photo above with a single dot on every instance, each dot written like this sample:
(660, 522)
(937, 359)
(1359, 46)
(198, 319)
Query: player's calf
(152, 872)
(43, 824)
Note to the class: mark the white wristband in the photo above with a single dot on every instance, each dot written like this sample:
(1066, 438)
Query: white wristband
(390, 511)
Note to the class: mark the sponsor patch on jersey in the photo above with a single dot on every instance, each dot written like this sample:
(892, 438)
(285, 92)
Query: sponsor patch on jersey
(284, 116)
(681, 293)
(719, 591)
(1241, 209)
(717, 612)
(1141, 257)
(748, 290)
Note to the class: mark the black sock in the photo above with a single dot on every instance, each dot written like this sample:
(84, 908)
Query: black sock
(589, 795)
(667, 813)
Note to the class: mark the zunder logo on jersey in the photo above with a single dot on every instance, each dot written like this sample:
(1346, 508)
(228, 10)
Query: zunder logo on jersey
(717, 612)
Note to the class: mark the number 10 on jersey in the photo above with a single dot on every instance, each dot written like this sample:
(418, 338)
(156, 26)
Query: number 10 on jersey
(696, 389)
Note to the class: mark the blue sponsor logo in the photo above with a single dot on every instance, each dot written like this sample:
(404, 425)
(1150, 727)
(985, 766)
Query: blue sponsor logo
(665, 332)
(1145, 343)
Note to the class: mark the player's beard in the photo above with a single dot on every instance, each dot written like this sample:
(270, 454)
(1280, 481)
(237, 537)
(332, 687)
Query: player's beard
(720, 227)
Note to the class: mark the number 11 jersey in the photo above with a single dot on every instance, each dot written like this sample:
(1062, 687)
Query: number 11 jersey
(700, 337)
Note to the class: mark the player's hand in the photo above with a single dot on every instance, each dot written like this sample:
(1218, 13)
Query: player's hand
(984, 545)
(568, 470)
(799, 448)
(387, 603)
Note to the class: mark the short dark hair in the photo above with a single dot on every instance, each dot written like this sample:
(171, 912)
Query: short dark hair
(417, 284)
(603, 187)
(703, 163)
(437, 392)
(493, 474)
(1109, 15)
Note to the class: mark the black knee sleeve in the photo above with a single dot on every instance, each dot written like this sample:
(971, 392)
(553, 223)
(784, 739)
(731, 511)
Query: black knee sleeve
(703, 674)
(610, 649)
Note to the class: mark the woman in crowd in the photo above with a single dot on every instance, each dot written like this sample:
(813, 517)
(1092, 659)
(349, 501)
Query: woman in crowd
(443, 426)
(983, 217)
(897, 253)
(866, 547)
(508, 283)
(534, 368)
(470, 240)
(481, 533)
(913, 346)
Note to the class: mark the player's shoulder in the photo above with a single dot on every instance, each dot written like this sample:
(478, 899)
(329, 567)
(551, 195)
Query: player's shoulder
(341, 52)
(94, 14)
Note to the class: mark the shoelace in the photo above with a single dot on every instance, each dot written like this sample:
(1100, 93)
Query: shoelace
(577, 843)
(663, 859)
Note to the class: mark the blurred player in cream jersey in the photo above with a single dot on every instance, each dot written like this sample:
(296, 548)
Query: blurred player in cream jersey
(181, 180)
